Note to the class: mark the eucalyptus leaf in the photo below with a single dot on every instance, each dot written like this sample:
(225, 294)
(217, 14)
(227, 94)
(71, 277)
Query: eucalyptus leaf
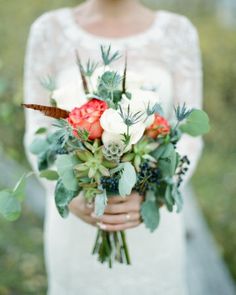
(49, 174)
(63, 196)
(127, 180)
(41, 130)
(100, 203)
(65, 166)
(10, 207)
(196, 124)
(150, 214)
(38, 146)
(178, 198)
(168, 198)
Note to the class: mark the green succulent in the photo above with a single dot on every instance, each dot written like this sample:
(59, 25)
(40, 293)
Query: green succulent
(90, 190)
(94, 164)
(141, 151)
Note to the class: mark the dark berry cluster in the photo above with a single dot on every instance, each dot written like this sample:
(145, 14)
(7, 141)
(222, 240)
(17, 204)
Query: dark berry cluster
(182, 169)
(146, 177)
(61, 151)
(110, 184)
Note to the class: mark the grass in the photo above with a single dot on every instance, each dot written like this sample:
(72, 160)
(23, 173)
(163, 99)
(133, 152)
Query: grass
(21, 256)
(22, 268)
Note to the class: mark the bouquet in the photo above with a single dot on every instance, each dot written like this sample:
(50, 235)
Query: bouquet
(115, 143)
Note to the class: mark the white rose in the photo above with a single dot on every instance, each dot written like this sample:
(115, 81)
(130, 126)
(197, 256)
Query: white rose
(114, 127)
(69, 93)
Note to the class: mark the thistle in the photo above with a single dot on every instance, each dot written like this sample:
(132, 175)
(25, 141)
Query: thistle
(182, 113)
(90, 68)
(156, 109)
(107, 56)
(49, 83)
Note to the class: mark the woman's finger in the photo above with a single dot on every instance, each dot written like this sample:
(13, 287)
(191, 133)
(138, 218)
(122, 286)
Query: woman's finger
(119, 218)
(117, 199)
(118, 227)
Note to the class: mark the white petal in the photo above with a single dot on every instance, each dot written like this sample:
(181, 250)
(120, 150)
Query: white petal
(111, 121)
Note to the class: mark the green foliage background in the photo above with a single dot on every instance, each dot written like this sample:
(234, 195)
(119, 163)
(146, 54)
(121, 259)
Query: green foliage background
(21, 255)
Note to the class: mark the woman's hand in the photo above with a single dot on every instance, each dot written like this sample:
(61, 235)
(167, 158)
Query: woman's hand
(120, 213)
(80, 208)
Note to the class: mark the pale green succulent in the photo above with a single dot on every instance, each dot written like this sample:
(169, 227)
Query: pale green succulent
(94, 165)
(140, 151)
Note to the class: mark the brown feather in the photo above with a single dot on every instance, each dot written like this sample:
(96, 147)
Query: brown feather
(124, 75)
(52, 112)
(84, 81)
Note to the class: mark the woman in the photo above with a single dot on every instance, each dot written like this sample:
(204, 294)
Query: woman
(163, 51)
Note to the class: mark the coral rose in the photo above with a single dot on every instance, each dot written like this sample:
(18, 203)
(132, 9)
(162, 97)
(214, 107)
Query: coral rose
(87, 117)
(160, 126)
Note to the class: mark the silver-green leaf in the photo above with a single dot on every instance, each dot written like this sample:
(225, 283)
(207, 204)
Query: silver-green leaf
(196, 124)
(65, 166)
(127, 180)
(10, 207)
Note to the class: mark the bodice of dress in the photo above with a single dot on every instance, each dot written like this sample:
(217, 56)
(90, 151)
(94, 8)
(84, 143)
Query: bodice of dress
(165, 57)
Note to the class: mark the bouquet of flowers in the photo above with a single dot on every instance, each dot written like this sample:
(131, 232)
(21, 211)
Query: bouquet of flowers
(115, 143)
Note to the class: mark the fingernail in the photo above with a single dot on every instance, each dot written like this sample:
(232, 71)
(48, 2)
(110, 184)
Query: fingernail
(101, 225)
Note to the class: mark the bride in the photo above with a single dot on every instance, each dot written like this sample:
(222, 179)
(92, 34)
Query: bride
(163, 53)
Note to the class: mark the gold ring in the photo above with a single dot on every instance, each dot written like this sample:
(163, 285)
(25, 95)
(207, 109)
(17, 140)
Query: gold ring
(127, 217)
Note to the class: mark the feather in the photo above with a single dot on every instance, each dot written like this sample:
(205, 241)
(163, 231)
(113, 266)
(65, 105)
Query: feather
(124, 75)
(52, 112)
(84, 81)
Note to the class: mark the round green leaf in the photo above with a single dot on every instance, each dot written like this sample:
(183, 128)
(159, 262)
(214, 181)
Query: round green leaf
(49, 174)
(196, 124)
(10, 207)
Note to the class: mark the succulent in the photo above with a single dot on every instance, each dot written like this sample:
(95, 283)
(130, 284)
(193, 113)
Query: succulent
(113, 151)
(94, 165)
(141, 151)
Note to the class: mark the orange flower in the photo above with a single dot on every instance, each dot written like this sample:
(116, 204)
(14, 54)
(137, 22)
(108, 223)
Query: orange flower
(160, 126)
(87, 117)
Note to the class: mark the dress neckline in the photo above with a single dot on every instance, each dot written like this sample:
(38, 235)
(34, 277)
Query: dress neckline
(136, 38)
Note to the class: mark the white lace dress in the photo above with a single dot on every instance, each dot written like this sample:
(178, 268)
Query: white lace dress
(165, 56)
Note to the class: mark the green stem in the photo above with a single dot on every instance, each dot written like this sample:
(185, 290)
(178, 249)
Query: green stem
(96, 245)
(123, 237)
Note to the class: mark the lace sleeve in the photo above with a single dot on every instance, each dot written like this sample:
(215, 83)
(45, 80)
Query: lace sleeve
(188, 88)
(37, 65)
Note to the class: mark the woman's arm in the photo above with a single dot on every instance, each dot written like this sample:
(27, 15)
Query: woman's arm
(37, 66)
(188, 88)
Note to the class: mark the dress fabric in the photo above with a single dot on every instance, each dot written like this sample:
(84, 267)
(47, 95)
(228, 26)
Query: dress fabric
(165, 57)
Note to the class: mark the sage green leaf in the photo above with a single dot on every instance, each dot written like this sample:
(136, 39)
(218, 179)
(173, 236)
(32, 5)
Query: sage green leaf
(10, 207)
(63, 196)
(100, 203)
(196, 124)
(19, 190)
(173, 162)
(168, 196)
(150, 214)
(178, 198)
(41, 130)
(65, 166)
(38, 146)
(165, 166)
(127, 180)
(49, 174)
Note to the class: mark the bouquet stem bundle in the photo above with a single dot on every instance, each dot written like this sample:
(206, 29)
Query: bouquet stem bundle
(111, 247)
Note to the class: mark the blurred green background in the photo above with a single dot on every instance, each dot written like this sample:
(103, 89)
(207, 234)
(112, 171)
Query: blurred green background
(21, 249)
